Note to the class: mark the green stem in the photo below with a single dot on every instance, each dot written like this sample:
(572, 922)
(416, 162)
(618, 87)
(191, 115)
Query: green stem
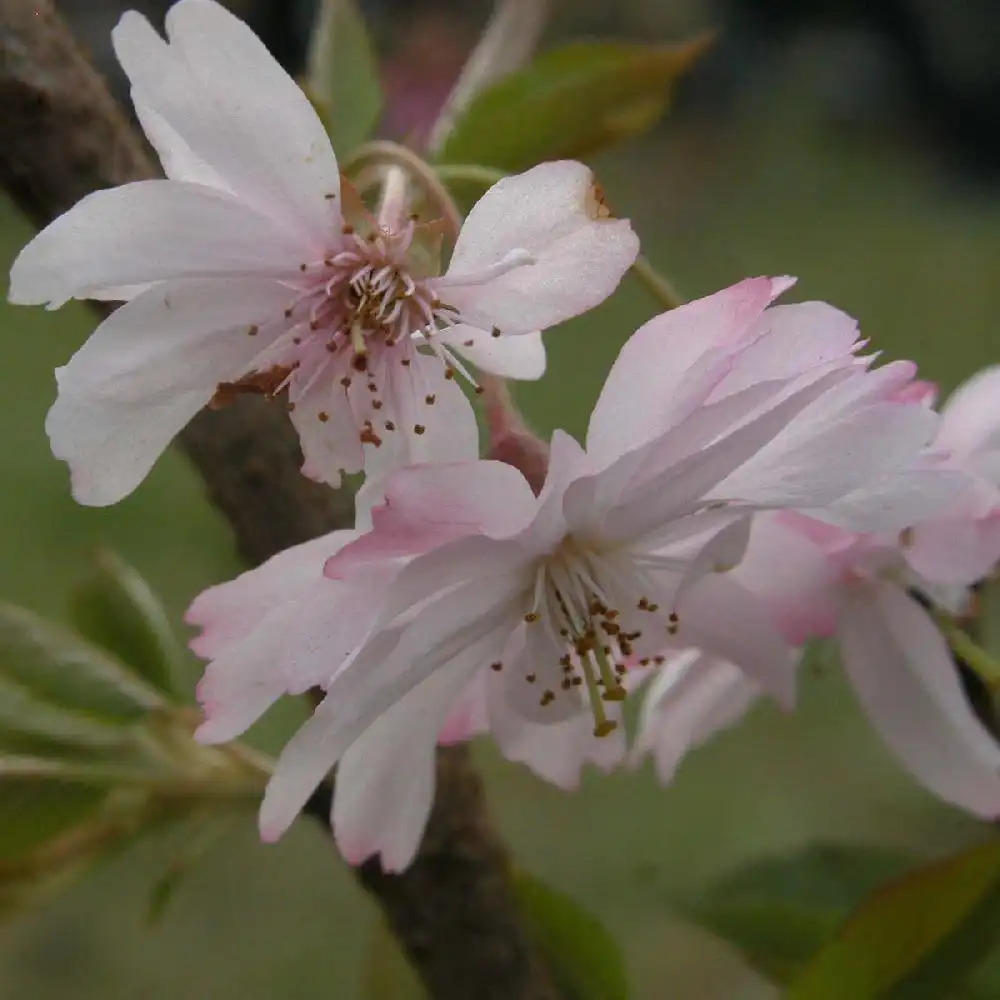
(969, 651)
(473, 173)
(382, 152)
(656, 284)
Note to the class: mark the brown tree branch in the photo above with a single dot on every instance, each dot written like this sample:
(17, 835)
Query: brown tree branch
(61, 137)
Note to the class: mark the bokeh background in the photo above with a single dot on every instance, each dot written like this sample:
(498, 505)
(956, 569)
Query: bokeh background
(854, 144)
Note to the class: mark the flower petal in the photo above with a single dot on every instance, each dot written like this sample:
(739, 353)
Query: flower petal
(146, 370)
(385, 780)
(143, 232)
(970, 418)
(229, 611)
(555, 751)
(639, 398)
(236, 110)
(552, 212)
(691, 698)
(906, 681)
(369, 687)
(953, 550)
(521, 357)
(723, 618)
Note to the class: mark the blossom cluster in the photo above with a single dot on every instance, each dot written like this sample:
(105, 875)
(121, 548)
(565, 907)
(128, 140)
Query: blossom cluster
(751, 478)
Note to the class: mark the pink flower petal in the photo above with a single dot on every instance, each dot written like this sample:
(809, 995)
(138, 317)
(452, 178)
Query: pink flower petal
(905, 679)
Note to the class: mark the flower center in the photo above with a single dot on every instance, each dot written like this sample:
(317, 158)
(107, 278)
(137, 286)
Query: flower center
(364, 297)
(586, 602)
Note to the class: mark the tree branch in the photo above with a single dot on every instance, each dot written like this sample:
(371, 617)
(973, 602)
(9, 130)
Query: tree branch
(61, 137)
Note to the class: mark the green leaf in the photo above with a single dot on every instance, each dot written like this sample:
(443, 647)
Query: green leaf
(49, 664)
(904, 924)
(115, 608)
(386, 974)
(570, 102)
(779, 911)
(342, 75)
(581, 954)
(32, 812)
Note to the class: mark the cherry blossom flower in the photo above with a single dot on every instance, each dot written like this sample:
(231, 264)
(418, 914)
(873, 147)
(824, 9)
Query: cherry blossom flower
(822, 581)
(713, 412)
(242, 272)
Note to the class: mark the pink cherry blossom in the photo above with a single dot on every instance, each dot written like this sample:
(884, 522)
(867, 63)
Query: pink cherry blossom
(713, 412)
(241, 269)
(820, 581)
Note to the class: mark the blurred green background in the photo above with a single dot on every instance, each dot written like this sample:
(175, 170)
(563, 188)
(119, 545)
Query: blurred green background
(773, 179)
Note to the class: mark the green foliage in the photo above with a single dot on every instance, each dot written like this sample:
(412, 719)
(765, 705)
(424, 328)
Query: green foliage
(92, 755)
(571, 102)
(581, 954)
(780, 910)
(342, 78)
(115, 608)
(924, 931)
(46, 663)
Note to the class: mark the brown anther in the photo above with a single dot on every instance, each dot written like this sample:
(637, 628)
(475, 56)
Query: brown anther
(372, 387)
(327, 262)
(253, 331)
(323, 416)
(659, 660)
(468, 343)
(449, 373)
(596, 204)
(368, 436)
(405, 362)
(496, 666)
(672, 629)
(564, 632)
(566, 684)
(290, 407)
(547, 698)
(531, 617)
(346, 381)
(478, 390)
(329, 197)
(302, 267)
(419, 429)
(389, 425)
(577, 681)
(377, 404)
(644, 662)
(429, 399)
(288, 313)
(605, 728)
(643, 604)
(314, 325)
(347, 229)
(296, 341)
(530, 678)
(612, 628)
(611, 615)
(496, 332)
(653, 607)
(359, 362)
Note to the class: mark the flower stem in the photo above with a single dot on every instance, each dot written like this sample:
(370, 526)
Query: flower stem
(383, 152)
(970, 652)
(656, 284)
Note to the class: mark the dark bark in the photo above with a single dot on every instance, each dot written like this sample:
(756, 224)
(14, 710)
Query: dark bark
(61, 137)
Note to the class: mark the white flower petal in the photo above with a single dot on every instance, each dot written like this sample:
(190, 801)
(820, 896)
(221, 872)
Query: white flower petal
(906, 681)
(385, 780)
(143, 232)
(236, 110)
(145, 372)
(550, 211)
(520, 357)
(691, 698)
(555, 751)
(230, 611)
(970, 418)
(723, 618)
